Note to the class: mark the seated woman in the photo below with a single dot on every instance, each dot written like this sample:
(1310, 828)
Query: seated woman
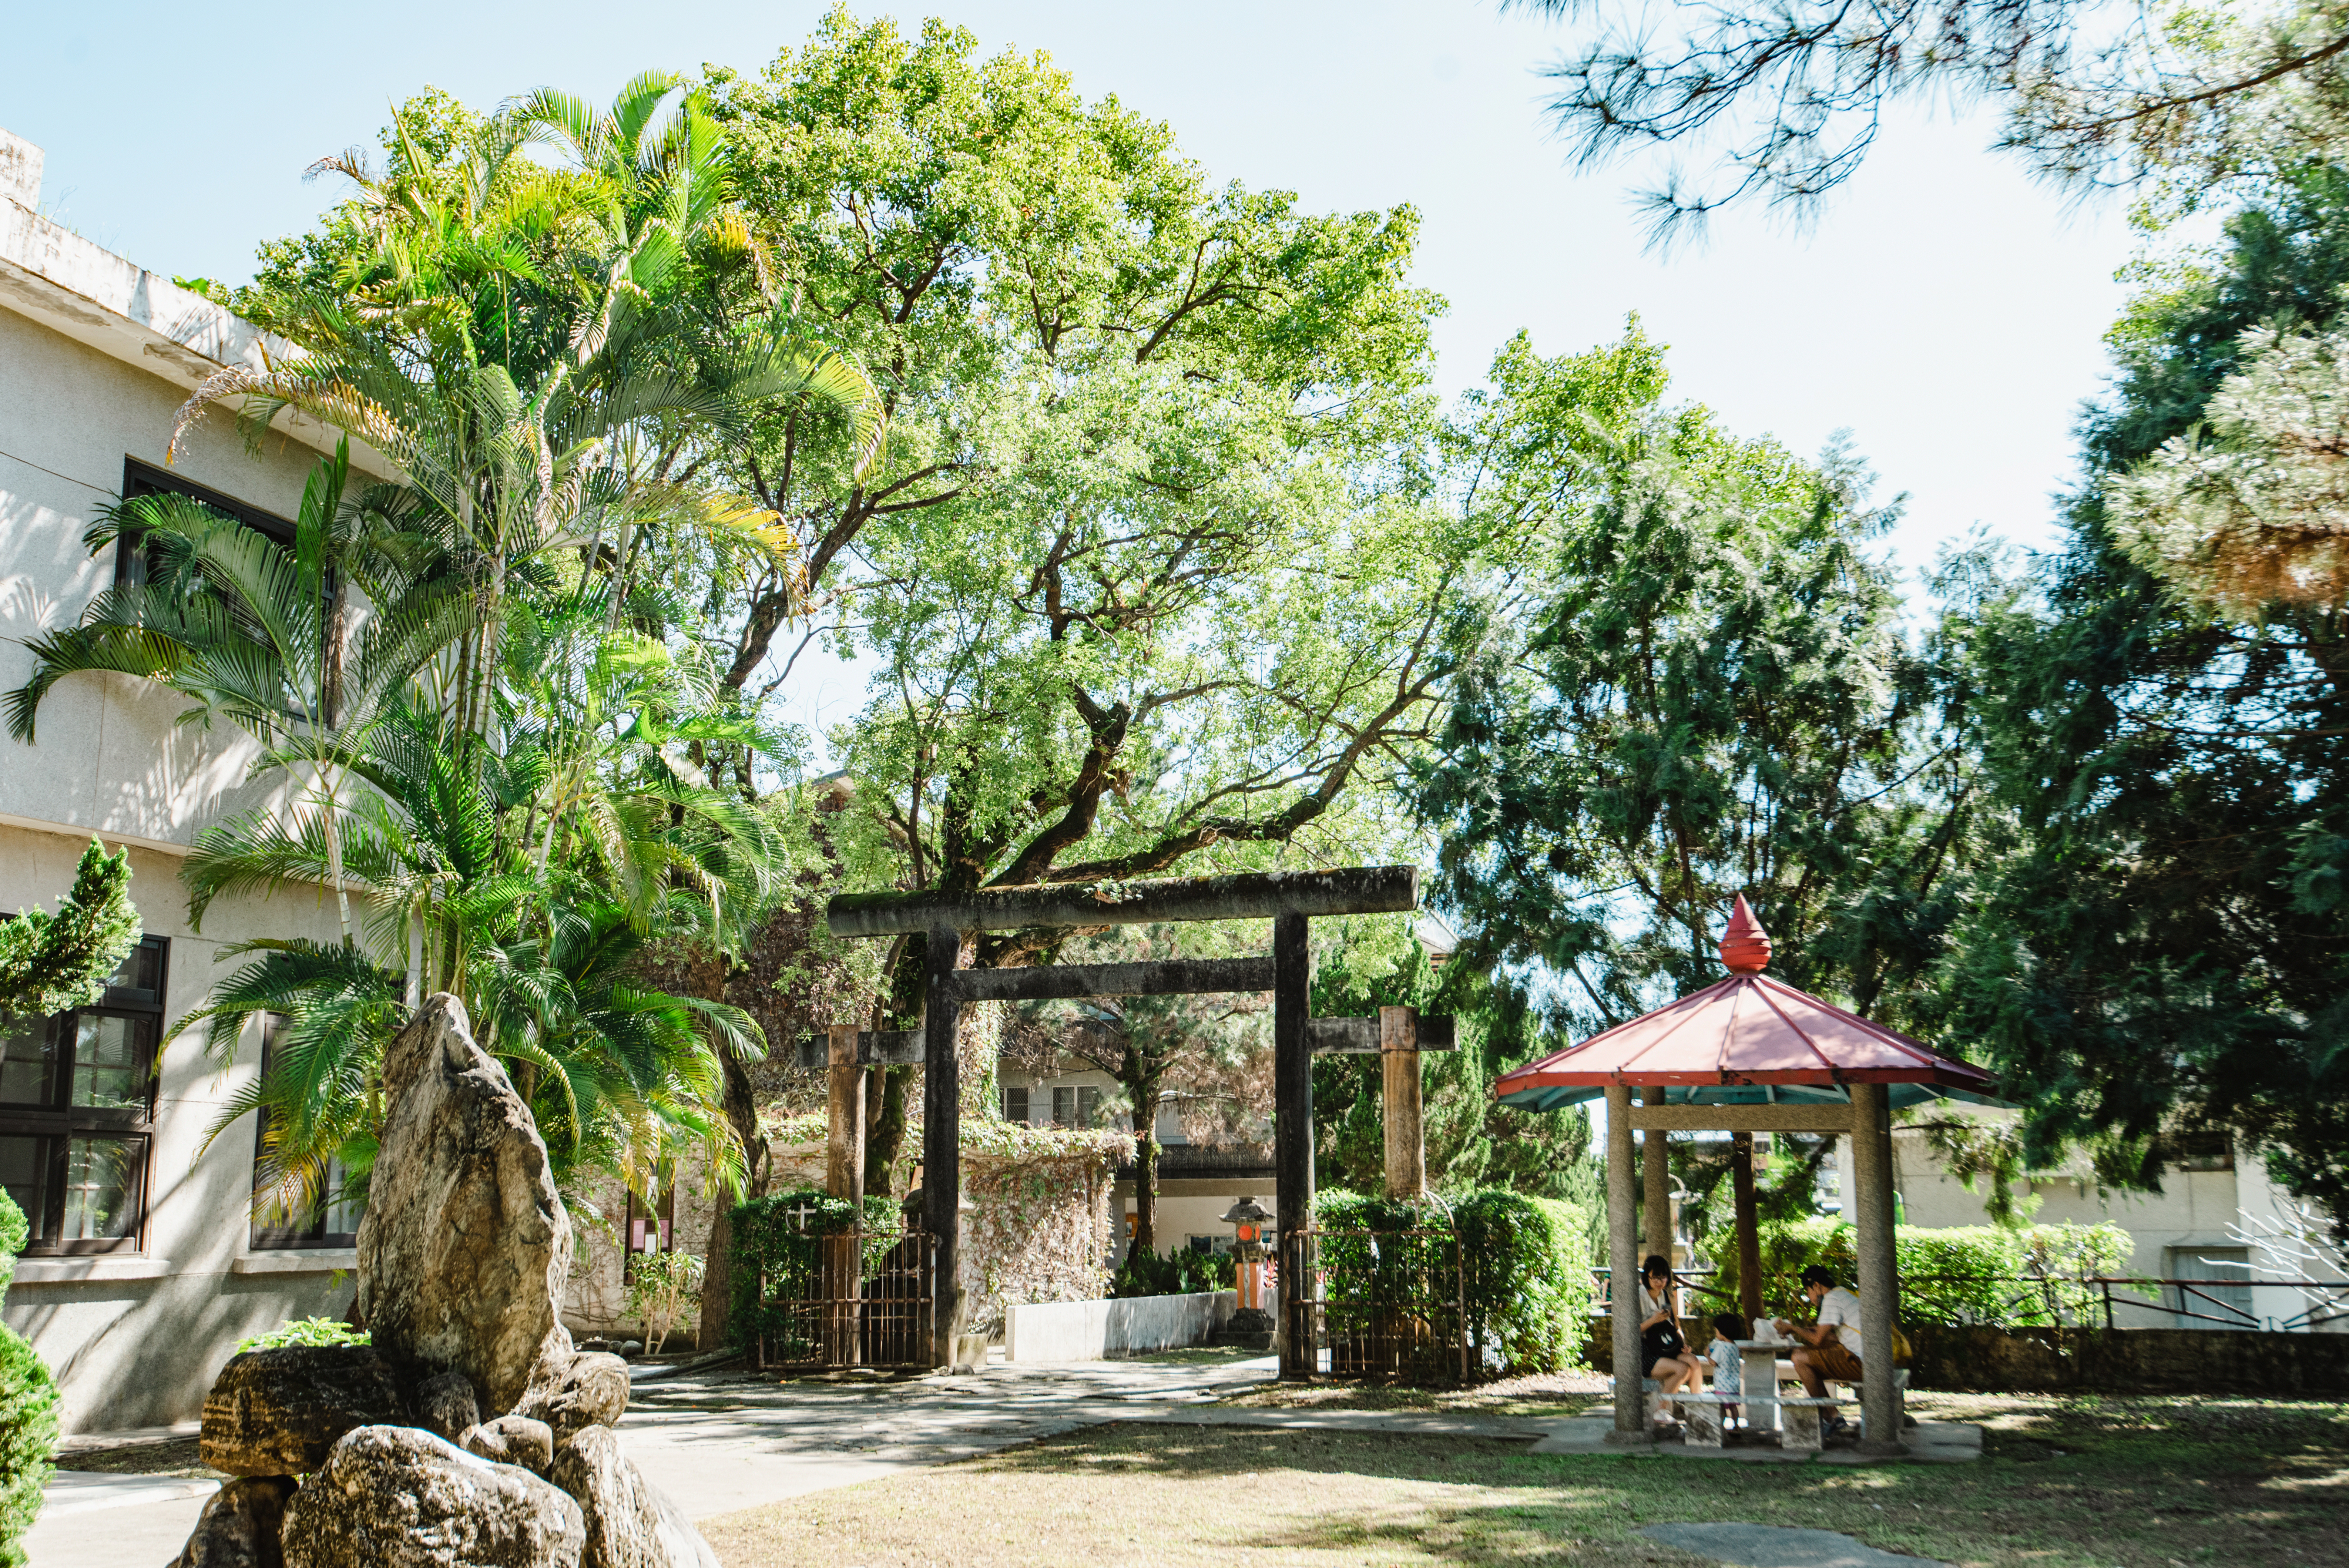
(1663, 1350)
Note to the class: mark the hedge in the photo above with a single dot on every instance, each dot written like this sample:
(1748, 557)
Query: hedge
(1525, 1268)
(1951, 1274)
(28, 1412)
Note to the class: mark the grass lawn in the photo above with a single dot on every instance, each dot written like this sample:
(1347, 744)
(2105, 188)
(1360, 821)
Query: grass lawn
(2065, 1483)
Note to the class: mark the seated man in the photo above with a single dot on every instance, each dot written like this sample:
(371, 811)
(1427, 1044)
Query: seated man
(1830, 1348)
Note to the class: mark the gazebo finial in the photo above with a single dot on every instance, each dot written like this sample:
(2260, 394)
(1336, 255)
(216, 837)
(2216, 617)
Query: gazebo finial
(1744, 947)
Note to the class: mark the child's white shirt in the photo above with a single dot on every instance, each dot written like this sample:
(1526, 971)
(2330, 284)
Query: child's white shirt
(1728, 1367)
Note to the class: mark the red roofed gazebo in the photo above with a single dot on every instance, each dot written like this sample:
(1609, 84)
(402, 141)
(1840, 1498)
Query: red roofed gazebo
(1748, 1055)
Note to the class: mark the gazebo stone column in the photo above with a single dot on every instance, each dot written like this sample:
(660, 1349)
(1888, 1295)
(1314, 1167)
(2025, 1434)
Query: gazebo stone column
(1872, 1176)
(1623, 1275)
(1656, 1184)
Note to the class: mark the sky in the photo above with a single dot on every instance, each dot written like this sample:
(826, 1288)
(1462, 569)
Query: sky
(1944, 309)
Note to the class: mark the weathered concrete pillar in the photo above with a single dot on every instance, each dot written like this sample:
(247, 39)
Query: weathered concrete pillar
(1623, 1273)
(942, 1135)
(1292, 1135)
(1406, 1143)
(1656, 1229)
(1749, 1228)
(844, 1148)
(1871, 1148)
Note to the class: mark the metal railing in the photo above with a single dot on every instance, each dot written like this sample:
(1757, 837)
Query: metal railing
(849, 1298)
(1385, 1307)
(2050, 1301)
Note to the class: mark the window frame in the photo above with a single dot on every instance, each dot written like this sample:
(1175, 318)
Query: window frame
(1026, 1100)
(659, 1221)
(58, 1122)
(312, 1235)
(144, 479)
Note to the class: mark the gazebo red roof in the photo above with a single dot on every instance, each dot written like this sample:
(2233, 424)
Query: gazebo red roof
(1748, 1039)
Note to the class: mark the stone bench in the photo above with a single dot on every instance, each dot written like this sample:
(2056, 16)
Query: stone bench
(1798, 1423)
(1702, 1415)
(1899, 1398)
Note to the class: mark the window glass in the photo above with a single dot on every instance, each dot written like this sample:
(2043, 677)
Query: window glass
(141, 970)
(24, 1173)
(1064, 1108)
(1014, 1102)
(102, 1188)
(1088, 1106)
(28, 1054)
(109, 1062)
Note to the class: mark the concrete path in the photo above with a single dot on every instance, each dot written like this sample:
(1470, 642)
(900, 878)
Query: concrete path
(1770, 1546)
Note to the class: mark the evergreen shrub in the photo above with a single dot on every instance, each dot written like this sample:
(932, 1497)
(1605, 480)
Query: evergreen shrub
(1178, 1273)
(28, 1412)
(778, 1240)
(1523, 1267)
(1986, 1275)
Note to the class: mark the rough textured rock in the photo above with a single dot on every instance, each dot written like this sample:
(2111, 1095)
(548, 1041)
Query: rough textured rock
(238, 1528)
(631, 1522)
(399, 1497)
(277, 1412)
(589, 1390)
(445, 1405)
(465, 1245)
(512, 1440)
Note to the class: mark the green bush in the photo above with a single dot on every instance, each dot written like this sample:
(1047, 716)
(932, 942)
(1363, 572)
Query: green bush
(1521, 1267)
(304, 1331)
(1953, 1275)
(777, 1240)
(29, 1413)
(1178, 1273)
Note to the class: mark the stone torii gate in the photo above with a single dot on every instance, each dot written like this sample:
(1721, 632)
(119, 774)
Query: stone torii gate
(1289, 899)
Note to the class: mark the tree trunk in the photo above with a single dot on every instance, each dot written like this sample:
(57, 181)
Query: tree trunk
(1146, 1098)
(888, 1135)
(718, 1284)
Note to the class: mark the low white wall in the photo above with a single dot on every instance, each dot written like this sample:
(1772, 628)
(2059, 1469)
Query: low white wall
(1097, 1330)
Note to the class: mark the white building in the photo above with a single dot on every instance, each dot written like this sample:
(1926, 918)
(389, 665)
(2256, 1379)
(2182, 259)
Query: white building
(144, 1268)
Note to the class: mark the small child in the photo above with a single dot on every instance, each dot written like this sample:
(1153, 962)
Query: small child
(1728, 1366)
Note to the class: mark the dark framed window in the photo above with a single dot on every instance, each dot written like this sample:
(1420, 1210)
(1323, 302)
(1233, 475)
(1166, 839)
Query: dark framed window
(652, 1228)
(334, 1219)
(145, 479)
(1014, 1102)
(77, 1112)
(1076, 1107)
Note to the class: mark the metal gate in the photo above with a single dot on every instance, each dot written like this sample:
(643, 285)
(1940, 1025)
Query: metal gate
(849, 1298)
(1387, 1307)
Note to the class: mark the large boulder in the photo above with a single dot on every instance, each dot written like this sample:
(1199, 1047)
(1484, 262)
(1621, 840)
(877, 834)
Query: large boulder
(399, 1497)
(465, 1246)
(277, 1412)
(590, 1389)
(238, 1528)
(514, 1441)
(631, 1522)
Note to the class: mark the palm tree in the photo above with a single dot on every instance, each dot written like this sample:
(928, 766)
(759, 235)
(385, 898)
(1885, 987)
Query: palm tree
(265, 636)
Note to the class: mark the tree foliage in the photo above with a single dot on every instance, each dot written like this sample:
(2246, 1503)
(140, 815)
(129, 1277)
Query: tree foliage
(1790, 97)
(49, 963)
(2171, 949)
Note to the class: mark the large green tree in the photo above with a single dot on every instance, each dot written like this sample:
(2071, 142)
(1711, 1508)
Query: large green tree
(2174, 946)
(1686, 680)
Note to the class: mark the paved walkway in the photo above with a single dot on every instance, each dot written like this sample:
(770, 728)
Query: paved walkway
(720, 1441)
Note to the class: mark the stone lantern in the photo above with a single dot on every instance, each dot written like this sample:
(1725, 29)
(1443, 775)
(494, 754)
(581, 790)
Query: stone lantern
(1248, 1219)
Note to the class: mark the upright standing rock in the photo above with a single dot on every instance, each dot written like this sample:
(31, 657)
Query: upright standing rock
(465, 1246)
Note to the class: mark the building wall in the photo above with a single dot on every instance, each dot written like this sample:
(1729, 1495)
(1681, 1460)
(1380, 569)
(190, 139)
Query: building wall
(89, 375)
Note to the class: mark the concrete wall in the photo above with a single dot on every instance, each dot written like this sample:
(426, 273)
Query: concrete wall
(96, 356)
(1098, 1330)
